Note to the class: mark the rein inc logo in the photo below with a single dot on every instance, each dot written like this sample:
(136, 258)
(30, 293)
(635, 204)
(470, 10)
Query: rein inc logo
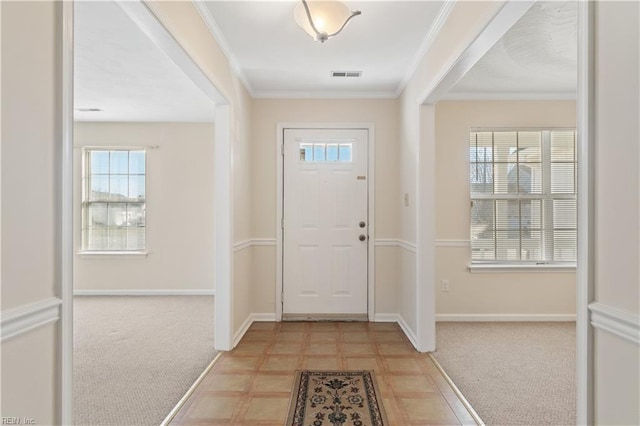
(17, 421)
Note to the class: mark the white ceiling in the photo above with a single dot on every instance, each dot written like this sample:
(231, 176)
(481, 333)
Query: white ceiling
(277, 58)
(536, 58)
(120, 71)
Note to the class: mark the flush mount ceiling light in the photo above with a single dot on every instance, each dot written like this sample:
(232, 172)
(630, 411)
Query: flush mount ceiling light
(323, 19)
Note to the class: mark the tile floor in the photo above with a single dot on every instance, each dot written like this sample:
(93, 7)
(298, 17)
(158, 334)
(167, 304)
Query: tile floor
(251, 385)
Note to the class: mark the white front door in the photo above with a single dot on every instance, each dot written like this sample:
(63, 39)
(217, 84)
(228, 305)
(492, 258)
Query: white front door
(325, 234)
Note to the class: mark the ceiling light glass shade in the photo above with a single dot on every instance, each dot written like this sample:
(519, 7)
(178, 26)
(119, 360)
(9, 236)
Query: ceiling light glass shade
(323, 19)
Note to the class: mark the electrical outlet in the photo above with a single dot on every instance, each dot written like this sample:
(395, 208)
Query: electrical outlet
(444, 285)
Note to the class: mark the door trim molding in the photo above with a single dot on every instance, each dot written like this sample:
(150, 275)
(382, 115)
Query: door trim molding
(370, 127)
(64, 190)
(585, 263)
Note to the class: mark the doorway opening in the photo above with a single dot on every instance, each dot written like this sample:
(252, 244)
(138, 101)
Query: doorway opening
(325, 222)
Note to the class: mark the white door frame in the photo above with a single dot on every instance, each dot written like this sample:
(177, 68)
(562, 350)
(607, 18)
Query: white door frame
(370, 127)
(585, 106)
(223, 191)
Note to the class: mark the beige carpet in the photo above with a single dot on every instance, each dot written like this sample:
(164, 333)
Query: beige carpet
(135, 357)
(512, 373)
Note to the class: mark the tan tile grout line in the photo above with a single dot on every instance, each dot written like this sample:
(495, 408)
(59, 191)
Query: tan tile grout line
(190, 391)
(241, 411)
(459, 394)
(341, 356)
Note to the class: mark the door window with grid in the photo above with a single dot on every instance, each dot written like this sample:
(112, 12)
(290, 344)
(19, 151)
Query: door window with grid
(113, 202)
(523, 196)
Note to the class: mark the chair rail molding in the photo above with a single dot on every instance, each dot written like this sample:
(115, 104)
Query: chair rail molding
(254, 242)
(453, 243)
(615, 321)
(395, 242)
(25, 318)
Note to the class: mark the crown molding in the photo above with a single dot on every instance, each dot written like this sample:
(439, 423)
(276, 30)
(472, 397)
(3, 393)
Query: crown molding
(508, 96)
(436, 26)
(211, 24)
(325, 95)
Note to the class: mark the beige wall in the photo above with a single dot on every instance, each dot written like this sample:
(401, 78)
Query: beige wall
(488, 293)
(187, 27)
(30, 108)
(243, 287)
(28, 97)
(243, 263)
(463, 24)
(30, 136)
(266, 114)
(29, 378)
(179, 208)
(617, 151)
(617, 38)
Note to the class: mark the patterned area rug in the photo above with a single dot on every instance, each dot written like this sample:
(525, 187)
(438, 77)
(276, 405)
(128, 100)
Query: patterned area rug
(336, 398)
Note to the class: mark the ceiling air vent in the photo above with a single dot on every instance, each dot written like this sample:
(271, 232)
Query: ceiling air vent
(346, 73)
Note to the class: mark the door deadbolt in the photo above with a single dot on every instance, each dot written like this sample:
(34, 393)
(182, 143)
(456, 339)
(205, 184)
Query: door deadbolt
(362, 224)
(362, 237)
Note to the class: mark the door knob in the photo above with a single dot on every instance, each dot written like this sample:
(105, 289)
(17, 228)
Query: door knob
(362, 224)
(362, 237)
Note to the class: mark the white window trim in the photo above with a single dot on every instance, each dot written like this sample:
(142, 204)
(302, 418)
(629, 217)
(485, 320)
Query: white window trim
(94, 254)
(144, 252)
(479, 266)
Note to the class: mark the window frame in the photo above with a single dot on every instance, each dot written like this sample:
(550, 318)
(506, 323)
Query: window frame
(86, 202)
(500, 265)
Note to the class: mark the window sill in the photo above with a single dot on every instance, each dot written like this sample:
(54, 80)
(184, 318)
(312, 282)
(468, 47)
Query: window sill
(112, 254)
(523, 267)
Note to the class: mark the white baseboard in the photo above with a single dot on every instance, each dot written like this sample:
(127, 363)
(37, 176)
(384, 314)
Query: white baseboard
(25, 318)
(238, 335)
(453, 243)
(266, 317)
(141, 292)
(505, 317)
(407, 331)
(254, 242)
(255, 317)
(401, 322)
(385, 318)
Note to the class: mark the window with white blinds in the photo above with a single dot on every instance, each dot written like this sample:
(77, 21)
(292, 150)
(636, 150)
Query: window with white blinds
(523, 196)
(114, 199)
